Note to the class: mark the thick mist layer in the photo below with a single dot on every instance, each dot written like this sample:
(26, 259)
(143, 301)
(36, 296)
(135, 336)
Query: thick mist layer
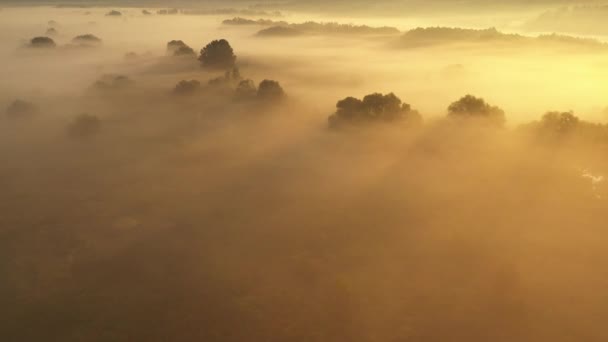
(188, 175)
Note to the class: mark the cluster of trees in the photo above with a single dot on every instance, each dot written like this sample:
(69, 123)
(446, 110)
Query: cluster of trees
(238, 21)
(233, 11)
(441, 35)
(114, 13)
(373, 108)
(108, 82)
(170, 11)
(283, 28)
(243, 89)
(279, 31)
(218, 54)
(311, 27)
(378, 108)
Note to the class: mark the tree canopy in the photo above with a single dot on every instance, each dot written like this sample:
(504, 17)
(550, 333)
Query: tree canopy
(374, 107)
(470, 106)
(218, 55)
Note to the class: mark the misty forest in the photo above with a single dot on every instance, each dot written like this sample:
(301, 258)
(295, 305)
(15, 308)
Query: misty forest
(303, 170)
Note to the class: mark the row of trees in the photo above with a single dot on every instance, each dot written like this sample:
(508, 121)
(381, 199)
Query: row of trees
(244, 89)
(389, 108)
(378, 108)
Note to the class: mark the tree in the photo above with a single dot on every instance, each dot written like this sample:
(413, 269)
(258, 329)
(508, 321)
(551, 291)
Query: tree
(230, 78)
(179, 48)
(187, 87)
(114, 13)
(218, 55)
(473, 107)
(87, 40)
(108, 82)
(246, 90)
(373, 108)
(269, 90)
(42, 42)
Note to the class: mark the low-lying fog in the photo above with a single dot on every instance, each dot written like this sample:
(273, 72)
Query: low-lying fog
(263, 188)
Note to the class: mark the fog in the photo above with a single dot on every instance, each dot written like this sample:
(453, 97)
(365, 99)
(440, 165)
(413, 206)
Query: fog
(180, 176)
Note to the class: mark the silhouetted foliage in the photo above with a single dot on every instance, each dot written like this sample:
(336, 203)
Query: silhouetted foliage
(173, 45)
(114, 13)
(51, 31)
(281, 28)
(170, 11)
(218, 54)
(279, 31)
(21, 109)
(556, 127)
(179, 48)
(237, 21)
(87, 40)
(84, 126)
(269, 90)
(230, 78)
(108, 82)
(42, 42)
(246, 90)
(146, 12)
(184, 51)
(472, 107)
(187, 87)
(559, 122)
(373, 108)
(232, 11)
(444, 35)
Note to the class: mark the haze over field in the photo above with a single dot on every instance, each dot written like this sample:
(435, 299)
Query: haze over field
(303, 171)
